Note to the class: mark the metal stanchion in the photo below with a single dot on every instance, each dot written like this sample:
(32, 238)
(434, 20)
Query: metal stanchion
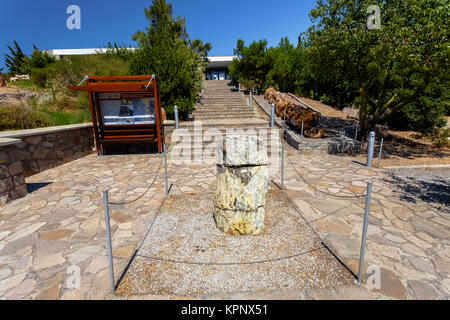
(302, 130)
(272, 115)
(364, 232)
(282, 164)
(108, 240)
(370, 149)
(165, 168)
(250, 99)
(176, 117)
(381, 149)
(356, 131)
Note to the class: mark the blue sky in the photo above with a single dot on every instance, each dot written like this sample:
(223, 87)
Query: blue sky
(220, 22)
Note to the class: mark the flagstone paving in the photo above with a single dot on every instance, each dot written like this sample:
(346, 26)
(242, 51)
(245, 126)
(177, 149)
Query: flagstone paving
(59, 227)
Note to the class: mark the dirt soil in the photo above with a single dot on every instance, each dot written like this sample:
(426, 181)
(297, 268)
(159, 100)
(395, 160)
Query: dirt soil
(184, 253)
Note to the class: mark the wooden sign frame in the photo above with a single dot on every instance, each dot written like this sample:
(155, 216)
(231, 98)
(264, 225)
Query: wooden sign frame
(105, 134)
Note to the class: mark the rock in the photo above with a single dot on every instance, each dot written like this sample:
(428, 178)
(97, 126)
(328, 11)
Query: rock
(240, 222)
(242, 150)
(423, 290)
(344, 145)
(56, 234)
(15, 168)
(242, 184)
(241, 188)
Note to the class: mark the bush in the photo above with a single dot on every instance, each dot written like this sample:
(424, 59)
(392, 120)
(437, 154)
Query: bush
(440, 138)
(16, 118)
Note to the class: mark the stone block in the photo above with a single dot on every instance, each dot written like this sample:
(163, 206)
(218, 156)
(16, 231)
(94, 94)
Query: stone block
(6, 184)
(242, 183)
(40, 153)
(33, 139)
(15, 168)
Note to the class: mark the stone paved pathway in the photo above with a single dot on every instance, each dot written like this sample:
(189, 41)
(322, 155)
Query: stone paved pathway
(61, 224)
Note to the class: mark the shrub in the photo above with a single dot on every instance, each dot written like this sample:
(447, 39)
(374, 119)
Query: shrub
(15, 118)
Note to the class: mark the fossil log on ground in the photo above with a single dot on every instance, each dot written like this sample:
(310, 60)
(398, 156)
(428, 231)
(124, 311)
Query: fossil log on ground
(287, 108)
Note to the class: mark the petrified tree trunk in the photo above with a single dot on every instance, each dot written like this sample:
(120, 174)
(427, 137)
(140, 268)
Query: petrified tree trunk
(242, 183)
(295, 114)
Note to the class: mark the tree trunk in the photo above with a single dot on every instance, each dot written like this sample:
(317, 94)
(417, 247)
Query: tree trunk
(363, 121)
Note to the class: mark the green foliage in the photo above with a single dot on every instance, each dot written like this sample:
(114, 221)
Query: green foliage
(393, 68)
(15, 118)
(166, 51)
(252, 65)
(16, 61)
(441, 138)
(72, 70)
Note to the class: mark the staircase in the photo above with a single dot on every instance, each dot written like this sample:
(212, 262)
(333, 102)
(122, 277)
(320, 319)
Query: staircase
(221, 109)
(221, 101)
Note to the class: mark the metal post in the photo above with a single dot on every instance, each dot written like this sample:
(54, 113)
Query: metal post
(364, 232)
(302, 129)
(176, 117)
(356, 131)
(381, 149)
(282, 164)
(165, 168)
(370, 149)
(239, 87)
(250, 99)
(272, 115)
(108, 240)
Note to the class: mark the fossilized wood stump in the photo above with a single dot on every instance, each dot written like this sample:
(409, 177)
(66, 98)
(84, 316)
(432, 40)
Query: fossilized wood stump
(242, 183)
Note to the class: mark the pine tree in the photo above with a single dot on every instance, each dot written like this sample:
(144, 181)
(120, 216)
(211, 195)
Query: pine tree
(166, 51)
(17, 61)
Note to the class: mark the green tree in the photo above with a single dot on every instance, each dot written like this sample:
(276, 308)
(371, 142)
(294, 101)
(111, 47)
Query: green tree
(391, 67)
(39, 59)
(252, 65)
(164, 49)
(16, 61)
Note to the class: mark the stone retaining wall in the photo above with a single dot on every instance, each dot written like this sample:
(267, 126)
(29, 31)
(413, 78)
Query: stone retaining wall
(12, 180)
(27, 152)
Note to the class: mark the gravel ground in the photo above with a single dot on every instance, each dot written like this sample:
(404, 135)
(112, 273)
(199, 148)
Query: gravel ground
(185, 254)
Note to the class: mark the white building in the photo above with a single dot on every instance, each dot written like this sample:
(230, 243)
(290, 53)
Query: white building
(216, 70)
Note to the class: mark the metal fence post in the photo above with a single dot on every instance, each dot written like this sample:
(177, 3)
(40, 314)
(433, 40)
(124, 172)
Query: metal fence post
(272, 115)
(370, 149)
(176, 117)
(302, 129)
(108, 240)
(381, 149)
(356, 131)
(364, 232)
(282, 164)
(165, 168)
(250, 99)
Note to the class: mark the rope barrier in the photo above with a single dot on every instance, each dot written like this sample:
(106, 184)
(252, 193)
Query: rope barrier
(139, 197)
(231, 263)
(321, 191)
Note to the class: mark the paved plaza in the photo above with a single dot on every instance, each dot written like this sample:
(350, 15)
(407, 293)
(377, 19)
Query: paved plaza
(58, 229)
